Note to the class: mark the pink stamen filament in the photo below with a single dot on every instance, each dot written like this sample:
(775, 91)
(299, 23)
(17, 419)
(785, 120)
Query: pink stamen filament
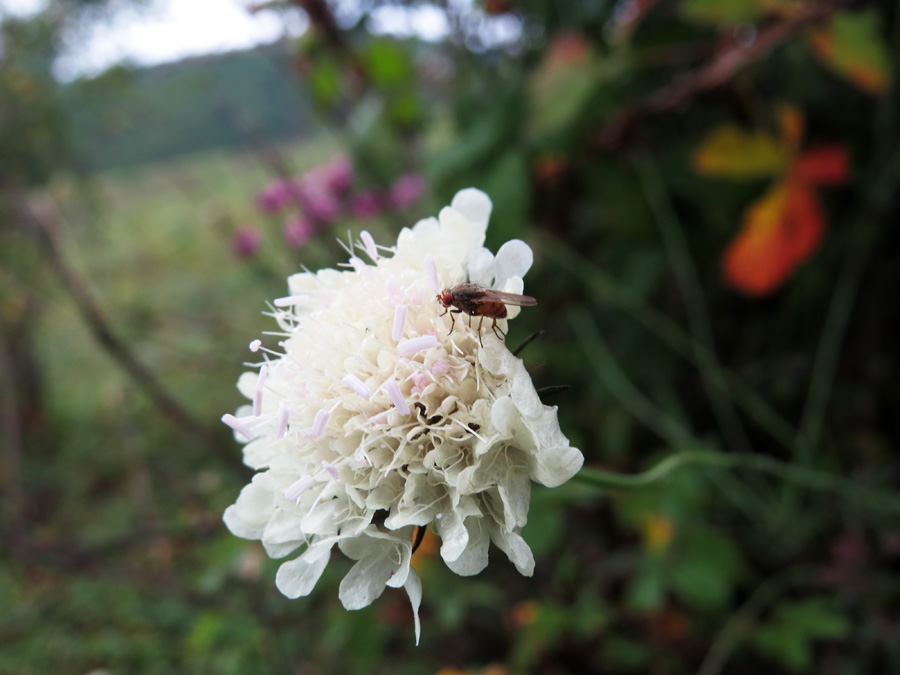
(297, 488)
(399, 322)
(332, 471)
(232, 421)
(281, 425)
(417, 344)
(318, 426)
(431, 272)
(357, 385)
(393, 391)
(257, 395)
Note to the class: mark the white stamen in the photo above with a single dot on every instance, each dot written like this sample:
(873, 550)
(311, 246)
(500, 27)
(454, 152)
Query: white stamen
(281, 425)
(290, 300)
(232, 421)
(297, 488)
(257, 395)
(469, 429)
(393, 391)
(357, 385)
(318, 426)
(330, 469)
(358, 265)
(431, 272)
(370, 244)
(255, 345)
(399, 322)
(408, 347)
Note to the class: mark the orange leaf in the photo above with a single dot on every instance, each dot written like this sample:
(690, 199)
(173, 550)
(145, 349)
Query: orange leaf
(824, 165)
(780, 231)
(792, 123)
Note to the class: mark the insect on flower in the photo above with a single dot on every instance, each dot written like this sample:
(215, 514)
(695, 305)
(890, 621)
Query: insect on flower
(476, 300)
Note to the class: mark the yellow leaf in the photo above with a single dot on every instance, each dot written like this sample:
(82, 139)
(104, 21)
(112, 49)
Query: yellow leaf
(735, 152)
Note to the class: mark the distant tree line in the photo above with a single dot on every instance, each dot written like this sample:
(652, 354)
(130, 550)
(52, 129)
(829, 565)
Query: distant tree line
(131, 116)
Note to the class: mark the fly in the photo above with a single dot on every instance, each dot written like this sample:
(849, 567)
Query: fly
(474, 300)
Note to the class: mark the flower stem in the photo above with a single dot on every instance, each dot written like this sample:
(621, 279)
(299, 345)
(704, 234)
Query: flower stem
(790, 473)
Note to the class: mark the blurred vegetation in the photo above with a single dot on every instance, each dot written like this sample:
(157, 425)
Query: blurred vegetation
(710, 190)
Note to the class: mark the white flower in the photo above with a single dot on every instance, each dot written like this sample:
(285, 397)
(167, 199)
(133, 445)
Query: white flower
(375, 419)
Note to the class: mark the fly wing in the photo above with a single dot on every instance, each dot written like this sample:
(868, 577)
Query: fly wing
(489, 295)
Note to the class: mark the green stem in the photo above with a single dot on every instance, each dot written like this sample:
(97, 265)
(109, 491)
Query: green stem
(791, 473)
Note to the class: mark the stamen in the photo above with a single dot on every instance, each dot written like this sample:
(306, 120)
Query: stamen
(297, 488)
(357, 385)
(393, 391)
(290, 300)
(358, 265)
(255, 345)
(232, 421)
(370, 244)
(282, 422)
(399, 322)
(468, 428)
(330, 469)
(257, 395)
(431, 272)
(408, 347)
(318, 426)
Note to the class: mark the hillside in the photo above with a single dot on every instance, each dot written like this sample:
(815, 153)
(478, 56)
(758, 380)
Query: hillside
(131, 116)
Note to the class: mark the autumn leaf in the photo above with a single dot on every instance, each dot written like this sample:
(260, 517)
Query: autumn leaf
(734, 152)
(823, 165)
(851, 45)
(780, 230)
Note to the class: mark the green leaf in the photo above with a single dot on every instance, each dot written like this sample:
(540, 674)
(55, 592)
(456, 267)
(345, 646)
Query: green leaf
(325, 82)
(722, 12)
(704, 573)
(387, 65)
(852, 46)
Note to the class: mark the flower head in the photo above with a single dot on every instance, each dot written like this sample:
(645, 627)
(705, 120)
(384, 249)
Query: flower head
(373, 418)
(246, 241)
(407, 190)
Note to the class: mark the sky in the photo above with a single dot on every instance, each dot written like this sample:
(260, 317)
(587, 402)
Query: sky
(167, 30)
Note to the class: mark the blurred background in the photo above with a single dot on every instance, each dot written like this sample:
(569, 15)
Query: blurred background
(710, 189)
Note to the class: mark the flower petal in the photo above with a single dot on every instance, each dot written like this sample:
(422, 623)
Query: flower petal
(297, 578)
(513, 259)
(475, 205)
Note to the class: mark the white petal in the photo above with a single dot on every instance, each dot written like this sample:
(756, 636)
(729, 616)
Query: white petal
(474, 205)
(554, 466)
(515, 495)
(513, 259)
(366, 580)
(413, 588)
(247, 517)
(475, 557)
(480, 268)
(246, 384)
(297, 578)
(504, 416)
(454, 536)
(518, 552)
(523, 393)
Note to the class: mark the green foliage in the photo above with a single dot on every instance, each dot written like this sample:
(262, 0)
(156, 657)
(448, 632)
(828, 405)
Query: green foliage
(601, 145)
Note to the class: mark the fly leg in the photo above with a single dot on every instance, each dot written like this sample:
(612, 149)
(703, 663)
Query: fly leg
(480, 341)
(499, 333)
(452, 317)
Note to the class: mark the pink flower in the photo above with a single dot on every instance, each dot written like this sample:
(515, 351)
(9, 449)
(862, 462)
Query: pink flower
(317, 199)
(276, 195)
(246, 242)
(407, 190)
(338, 174)
(297, 231)
(365, 205)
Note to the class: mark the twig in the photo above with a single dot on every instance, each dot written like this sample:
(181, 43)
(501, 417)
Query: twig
(11, 429)
(98, 325)
(721, 70)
